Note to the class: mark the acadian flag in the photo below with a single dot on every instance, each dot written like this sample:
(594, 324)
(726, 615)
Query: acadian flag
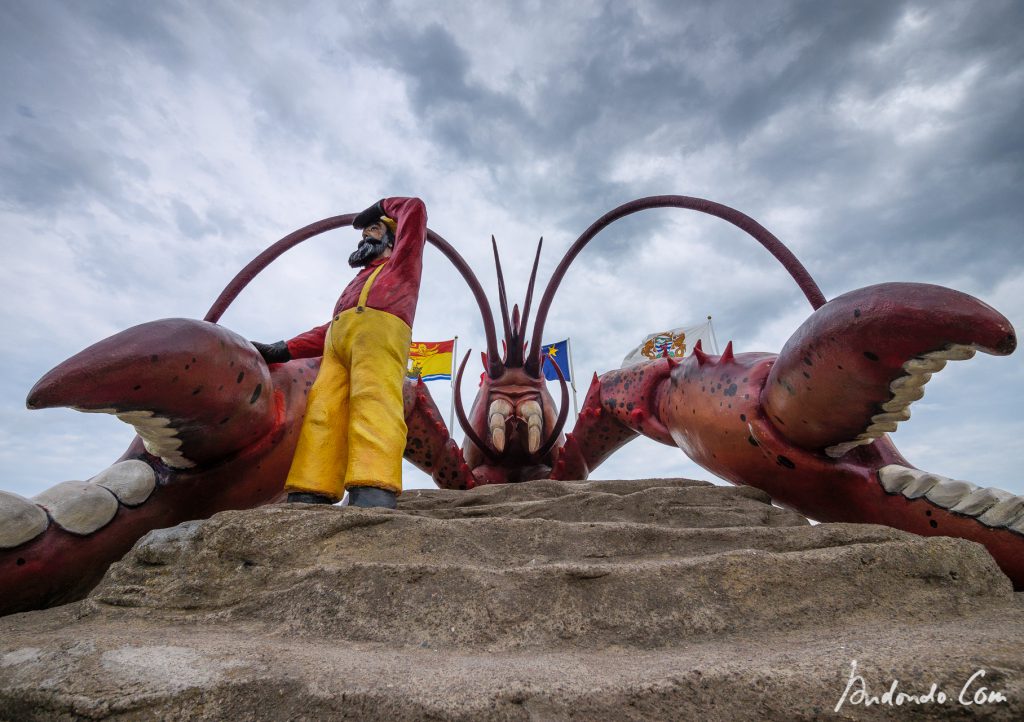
(675, 343)
(556, 353)
(430, 360)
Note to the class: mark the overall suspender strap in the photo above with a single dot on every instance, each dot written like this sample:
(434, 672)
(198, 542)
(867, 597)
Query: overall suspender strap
(366, 287)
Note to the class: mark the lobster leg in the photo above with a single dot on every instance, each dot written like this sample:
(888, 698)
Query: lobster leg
(429, 447)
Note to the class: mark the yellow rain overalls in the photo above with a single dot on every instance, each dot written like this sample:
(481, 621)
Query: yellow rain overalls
(354, 431)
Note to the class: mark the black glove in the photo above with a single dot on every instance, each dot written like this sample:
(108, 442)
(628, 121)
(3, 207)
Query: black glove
(370, 215)
(273, 353)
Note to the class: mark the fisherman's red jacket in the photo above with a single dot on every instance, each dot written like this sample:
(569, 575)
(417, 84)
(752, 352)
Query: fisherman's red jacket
(395, 290)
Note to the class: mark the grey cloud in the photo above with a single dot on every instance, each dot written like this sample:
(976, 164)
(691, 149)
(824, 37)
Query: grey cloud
(152, 26)
(43, 167)
(188, 222)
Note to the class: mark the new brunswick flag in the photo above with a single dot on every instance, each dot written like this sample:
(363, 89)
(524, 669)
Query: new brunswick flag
(430, 359)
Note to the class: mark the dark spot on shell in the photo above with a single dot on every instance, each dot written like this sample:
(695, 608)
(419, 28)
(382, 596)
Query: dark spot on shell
(779, 420)
(136, 387)
(856, 313)
(743, 417)
(731, 391)
(197, 390)
(241, 375)
(256, 393)
(154, 358)
(225, 419)
(933, 524)
(785, 462)
(20, 562)
(752, 441)
(808, 361)
(870, 356)
(186, 367)
(806, 375)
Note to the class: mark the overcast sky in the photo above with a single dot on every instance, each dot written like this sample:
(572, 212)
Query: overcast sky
(148, 150)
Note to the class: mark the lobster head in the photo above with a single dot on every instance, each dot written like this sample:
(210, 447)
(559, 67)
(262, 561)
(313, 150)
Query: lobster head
(514, 428)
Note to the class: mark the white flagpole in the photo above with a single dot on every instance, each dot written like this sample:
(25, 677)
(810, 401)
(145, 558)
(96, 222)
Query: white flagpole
(713, 339)
(572, 377)
(451, 412)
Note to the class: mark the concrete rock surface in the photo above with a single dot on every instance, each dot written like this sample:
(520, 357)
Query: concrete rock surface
(548, 600)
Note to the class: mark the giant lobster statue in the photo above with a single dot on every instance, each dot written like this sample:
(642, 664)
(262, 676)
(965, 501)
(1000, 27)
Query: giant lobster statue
(217, 427)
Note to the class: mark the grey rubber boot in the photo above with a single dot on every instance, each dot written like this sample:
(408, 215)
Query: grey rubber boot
(371, 496)
(305, 497)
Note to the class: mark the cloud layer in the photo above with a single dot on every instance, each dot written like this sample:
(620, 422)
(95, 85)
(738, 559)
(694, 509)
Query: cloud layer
(149, 150)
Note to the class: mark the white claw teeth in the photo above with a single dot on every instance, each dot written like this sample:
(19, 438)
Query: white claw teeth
(79, 507)
(954, 353)
(20, 520)
(924, 365)
(919, 486)
(909, 382)
(1003, 513)
(978, 502)
(892, 416)
(912, 483)
(905, 390)
(1018, 525)
(497, 415)
(903, 398)
(894, 477)
(130, 481)
(531, 411)
(947, 493)
(137, 417)
(992, 507)
(158, 436)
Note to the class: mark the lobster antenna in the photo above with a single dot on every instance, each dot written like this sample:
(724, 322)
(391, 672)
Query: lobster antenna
(460, 413)
(502, 298)
(761, 234)
(563, 414)
(275, 250)
(529, 291)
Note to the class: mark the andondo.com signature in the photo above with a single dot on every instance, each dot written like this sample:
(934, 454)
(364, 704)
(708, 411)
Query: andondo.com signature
(971, 692)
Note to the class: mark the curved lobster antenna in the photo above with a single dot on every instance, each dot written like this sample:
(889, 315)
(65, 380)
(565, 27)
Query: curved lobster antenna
(563, 414)
(515, 343)
(274, 251)
(268, 256)
(460, 413)
(529, 292)
(761, 234)
(502, 297)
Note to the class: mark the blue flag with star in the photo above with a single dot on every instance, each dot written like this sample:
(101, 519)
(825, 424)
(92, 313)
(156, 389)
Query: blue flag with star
(556, 353)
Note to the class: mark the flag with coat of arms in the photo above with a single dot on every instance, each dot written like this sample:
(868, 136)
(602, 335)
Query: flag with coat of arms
(431, 360)
(674, 343)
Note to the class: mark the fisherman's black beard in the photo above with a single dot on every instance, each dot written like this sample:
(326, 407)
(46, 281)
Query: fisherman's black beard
(369, 250)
